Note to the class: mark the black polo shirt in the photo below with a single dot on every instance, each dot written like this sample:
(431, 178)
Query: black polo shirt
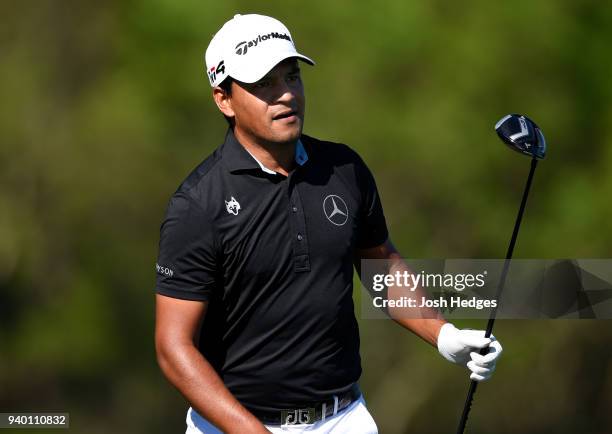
(273, 256)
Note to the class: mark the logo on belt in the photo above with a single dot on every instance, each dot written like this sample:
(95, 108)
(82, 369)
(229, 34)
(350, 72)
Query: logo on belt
(335, 209)
(298, 416)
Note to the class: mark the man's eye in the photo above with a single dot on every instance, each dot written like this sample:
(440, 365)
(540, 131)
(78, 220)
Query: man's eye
(262, 84)
(293, 77)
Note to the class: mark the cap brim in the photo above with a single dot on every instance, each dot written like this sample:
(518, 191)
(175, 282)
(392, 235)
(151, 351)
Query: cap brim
(258, 71)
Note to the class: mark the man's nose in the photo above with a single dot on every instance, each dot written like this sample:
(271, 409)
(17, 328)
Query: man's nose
(285, 93)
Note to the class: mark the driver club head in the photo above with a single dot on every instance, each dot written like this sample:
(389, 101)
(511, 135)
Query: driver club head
(522, 134)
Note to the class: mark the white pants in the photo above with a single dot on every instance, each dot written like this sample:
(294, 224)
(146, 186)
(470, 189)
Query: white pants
(355, 419)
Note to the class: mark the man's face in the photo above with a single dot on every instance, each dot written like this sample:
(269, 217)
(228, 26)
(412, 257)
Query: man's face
(270, 110)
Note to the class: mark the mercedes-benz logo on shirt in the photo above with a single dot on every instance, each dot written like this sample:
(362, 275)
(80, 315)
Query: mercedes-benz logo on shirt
(335, 209)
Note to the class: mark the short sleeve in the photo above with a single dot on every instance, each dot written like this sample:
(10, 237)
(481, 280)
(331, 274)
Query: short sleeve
(372, 229)
(187, 261)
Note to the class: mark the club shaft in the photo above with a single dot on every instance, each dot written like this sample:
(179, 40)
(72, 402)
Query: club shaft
(500, 288)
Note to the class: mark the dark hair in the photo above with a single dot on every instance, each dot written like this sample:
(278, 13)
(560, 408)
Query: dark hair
(226, 85)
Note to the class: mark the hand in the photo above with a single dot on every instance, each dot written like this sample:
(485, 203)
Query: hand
(463, 348)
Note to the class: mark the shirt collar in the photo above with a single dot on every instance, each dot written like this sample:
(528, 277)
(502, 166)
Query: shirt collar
(236, 156)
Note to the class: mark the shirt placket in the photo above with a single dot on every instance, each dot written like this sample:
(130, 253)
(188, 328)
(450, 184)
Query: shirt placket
(301, 254)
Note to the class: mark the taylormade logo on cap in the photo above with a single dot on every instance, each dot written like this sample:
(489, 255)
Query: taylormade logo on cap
(266, 41)
(243, 46)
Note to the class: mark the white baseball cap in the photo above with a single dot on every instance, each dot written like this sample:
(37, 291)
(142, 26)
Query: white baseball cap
(247, 47)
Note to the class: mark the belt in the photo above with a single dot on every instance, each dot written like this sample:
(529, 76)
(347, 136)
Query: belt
(312, 412)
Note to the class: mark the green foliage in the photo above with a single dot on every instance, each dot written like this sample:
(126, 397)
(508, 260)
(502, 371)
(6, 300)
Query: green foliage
(106, 107)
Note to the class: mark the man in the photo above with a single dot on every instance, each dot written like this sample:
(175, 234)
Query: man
(255, 323)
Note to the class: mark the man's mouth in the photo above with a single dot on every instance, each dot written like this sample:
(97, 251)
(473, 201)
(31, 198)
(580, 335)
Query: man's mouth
(285, 115)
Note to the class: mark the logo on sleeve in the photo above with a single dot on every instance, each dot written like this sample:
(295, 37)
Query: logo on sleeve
(232, 207)
(165, 271)
(335, 209)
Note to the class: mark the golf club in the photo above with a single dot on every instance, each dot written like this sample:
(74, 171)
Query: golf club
(522, 135)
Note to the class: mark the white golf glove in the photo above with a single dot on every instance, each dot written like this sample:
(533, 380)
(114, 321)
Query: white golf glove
(463, 348)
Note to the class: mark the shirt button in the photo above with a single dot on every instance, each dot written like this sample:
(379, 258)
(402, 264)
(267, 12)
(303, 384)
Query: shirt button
(294, 209)
(300, 237)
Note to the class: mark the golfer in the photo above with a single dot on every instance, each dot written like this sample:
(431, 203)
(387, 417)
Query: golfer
(255, 321)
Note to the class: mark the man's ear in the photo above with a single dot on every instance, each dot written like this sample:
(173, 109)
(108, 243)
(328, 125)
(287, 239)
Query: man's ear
(223, 101)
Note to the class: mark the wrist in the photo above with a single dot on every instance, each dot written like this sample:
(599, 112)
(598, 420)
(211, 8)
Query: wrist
(446, 336)
(442, 325)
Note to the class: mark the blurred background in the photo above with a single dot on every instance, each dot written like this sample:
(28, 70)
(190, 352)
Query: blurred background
(106, 108)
